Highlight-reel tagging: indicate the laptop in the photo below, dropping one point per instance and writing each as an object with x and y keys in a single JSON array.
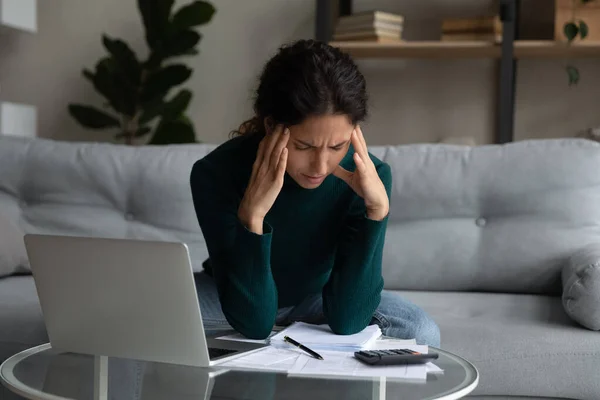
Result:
[{"x": 124, "y": 298}]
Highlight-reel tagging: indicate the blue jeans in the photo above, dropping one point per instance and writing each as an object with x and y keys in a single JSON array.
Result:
[{"x": 397, "y": 317}]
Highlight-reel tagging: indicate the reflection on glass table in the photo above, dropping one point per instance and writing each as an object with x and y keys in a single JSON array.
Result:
[{"x": 45, "y": 374}]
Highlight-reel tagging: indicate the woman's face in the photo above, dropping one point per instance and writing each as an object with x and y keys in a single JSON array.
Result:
[{"x": 316, "y": 147}]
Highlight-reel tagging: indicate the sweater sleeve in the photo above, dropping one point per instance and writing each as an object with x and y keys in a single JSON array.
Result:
[
  {"x": 240, "y": 259},
  {"x": 353, "y": 291}
]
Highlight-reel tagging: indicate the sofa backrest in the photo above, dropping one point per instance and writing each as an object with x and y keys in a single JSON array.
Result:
[
  {"x": 98, "y": 189},
  {"x": 487, "y": 218},
  {"x": 499, "y": 218}
]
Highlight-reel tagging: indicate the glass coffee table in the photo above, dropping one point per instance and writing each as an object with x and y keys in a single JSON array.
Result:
[{"x": 42, "y": 373}]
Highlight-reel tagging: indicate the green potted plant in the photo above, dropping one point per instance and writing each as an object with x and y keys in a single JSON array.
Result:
[{"x": 135, "y": 91}]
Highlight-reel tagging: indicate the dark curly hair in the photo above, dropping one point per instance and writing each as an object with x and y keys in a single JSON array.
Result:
[{"x": 307, "y": 78}]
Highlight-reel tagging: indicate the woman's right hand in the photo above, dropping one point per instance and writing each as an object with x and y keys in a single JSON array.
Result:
[{"x": 266, "y": 180}]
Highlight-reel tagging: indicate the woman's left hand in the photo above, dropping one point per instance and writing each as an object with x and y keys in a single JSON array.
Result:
[{"x": 364, "y": 180}]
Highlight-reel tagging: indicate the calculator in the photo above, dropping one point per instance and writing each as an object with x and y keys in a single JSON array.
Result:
[{"x": 394, "y": 357}]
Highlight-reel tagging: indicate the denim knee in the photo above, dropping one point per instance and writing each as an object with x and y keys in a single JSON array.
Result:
[
  {"x": 400, "y": 318},
  {"x": 427, "y": 331}
]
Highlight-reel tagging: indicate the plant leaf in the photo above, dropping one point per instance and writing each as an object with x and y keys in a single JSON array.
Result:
[
  {"x": 584, "y": 30},
  {"x": 111, "y": 83},
  {"x": 91, "y": 117},
  {"x": 197, "y": 13},
  {"x": 152, "y": 109},
  {"x": 144, "y": 130},
  {"x": 573, "y": 74},
  {"x": 177, "y": 106},
  {"x": 124, "y": 57},
  {"x": 169, "y": 110},
  {"x": 571, "y": 30},
  {"x": 178, "y": 131},
  {"x": 179, "y": 44},
  {"x": 182, "y": 43},
  {"x": 89, "y": 75},
  {"x": 155, "y": 15},
  {"x": 159, "y": 83}
]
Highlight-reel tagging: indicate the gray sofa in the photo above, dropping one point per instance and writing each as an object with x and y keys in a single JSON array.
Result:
[{"x": 478, "y": 237}]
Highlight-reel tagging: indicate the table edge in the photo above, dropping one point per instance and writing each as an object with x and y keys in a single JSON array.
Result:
[{"x": 8, "y": 379}]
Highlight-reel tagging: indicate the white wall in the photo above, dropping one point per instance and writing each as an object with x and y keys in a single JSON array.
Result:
[{"x": 412, "y": 100}]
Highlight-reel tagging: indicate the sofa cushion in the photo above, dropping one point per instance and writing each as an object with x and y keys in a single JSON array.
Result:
[
  {"x": 497, "y": 218},
  {"x": 13, "y": 257},
  {"x": 102, "y": 189},
  {"x": 521, "y": 344},
  {"x": 581, "y": 287}
]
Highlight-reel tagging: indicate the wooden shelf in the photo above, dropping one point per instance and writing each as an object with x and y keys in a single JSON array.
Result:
[{"x": 438, "y": 49}]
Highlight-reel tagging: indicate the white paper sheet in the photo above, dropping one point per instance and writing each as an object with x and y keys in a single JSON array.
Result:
[
  {"x": 433, "y": 369},
  {"x": 269, "y": 358},
  {"x": 284, "y": 359},
  {"x": 321, "y": 337},
  {"x": 238, "y": 337},
  {"x": 345, "y": 364}
]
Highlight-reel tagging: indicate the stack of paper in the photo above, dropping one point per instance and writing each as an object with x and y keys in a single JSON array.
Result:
[
  {"x": 345, "y": 364},
  {"x": 320, "y": 337},
  {"x": 297, "y": 363},
  {"x": 268, "y": 359}
]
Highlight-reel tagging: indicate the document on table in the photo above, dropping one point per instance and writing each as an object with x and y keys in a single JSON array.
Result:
[
  {"x": 321, "y": 337},
  {"x": 345, "y": 364},
  {"x": 268, "y": 359},
  {"x": 238, "y": 337},
  {"x": 337, "y": 363}
]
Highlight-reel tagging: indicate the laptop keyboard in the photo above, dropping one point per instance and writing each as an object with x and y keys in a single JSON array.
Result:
[{"x": 214, "y": 352}]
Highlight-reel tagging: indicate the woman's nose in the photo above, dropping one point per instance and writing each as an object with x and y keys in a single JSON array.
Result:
[{"x": 320, "y": 165}]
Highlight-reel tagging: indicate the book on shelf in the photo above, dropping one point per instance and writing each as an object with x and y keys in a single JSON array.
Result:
[
  {"x": 374, "y": 26},
  {"x": 485, "y": 24},
  {"x": 486, "y": 28},
  {"x": 370, "y": 17},
  {"x": 377, "y": 25},
  {"x": 370, "y": 39},
  {"x": 471, "y": 37},
  {"x": 367, "y": 34}
]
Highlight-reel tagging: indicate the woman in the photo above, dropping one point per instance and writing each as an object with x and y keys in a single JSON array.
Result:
[{"x": 294, "y": 209}]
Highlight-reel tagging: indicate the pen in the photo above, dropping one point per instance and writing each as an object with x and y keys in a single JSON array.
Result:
[{"x": 302, "y": 347}]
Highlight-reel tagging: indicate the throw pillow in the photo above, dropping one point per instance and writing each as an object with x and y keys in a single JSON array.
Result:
[
  {"x": 13, "y": 257},
  {"x": 581, "y": 287}
]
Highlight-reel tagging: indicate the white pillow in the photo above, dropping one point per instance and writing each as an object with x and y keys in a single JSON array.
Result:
[{"x": 13, "y": 257}]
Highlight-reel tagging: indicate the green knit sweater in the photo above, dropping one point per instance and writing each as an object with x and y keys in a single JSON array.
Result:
[{"x": 313, "y": 241}]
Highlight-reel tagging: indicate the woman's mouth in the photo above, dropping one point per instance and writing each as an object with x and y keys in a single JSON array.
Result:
[{"x": 314, "y": 179}]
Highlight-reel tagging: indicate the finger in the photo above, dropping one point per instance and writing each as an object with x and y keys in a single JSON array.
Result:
[
  {"x": 279, "y": 146},
  {"x": 260, "y": 153},
  {"x": 358, "y": 148},
  {"x": 360, "y": 164},
  {"x": 365, "y": 156},
  {"x": 363, "y": 144},
  {"x": 272, "y": 142},
  {"x": 343, "y": 174},
  {"x": 282, "y": 163},
  {"x": 259, "y": 159}
]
